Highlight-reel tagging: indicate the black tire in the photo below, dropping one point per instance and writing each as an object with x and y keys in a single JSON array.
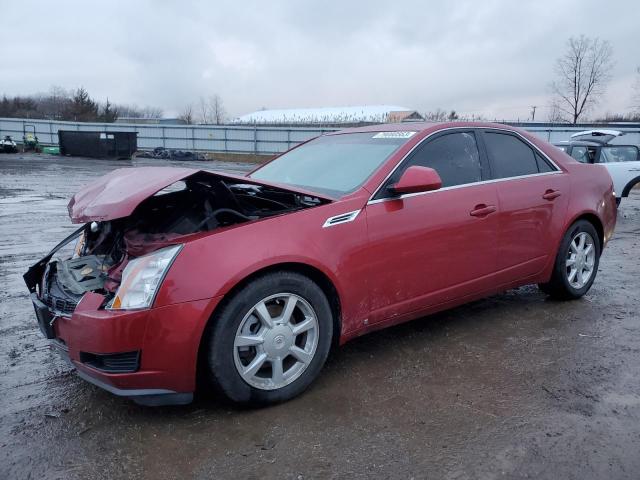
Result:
[
  {"x": 221, "y": 371},
  {"x": 558, "y": 286}
]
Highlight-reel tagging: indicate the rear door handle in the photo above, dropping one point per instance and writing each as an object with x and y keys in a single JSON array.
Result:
[
  {"x": 482, "y": 210},
  {"x": 551, "y": 194}
]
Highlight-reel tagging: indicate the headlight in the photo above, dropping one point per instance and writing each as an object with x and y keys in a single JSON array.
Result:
[{"x": 141, "y": 279}]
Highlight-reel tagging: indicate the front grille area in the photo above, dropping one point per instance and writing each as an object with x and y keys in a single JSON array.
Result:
[
  {"x": 59, "y": 304},
  {"x": 125, "y": 362}
]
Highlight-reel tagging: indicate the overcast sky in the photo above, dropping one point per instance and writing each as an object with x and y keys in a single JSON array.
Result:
[{"x": 491, "y": 57}]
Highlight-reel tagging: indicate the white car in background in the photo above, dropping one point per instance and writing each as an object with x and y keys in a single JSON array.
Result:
[
  {"x": 7, "y": 145},
  {"x": 622, "y": 161}
]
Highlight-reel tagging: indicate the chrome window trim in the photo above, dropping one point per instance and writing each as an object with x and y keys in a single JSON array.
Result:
[
  {"x": 464, "y": 185},
  {"x": 341, "y": 218},
  {"x": 371, "y": 200}
]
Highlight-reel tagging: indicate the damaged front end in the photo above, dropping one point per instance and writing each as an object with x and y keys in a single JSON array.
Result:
[{"x": 134, "y": 229}]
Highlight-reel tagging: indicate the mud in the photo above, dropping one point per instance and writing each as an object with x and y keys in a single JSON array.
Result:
[{"x": 514, "y": 386}]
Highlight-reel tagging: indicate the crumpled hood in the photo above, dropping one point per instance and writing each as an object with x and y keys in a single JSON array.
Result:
[{"x": 117, "y": 194}]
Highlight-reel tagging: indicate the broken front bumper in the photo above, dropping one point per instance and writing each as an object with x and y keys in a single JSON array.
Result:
[
  {"x": 44, "y": 316},
  {"x": 147, "y": 355}
]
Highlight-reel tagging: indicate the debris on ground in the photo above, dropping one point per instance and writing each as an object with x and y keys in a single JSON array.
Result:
[{"x": 170, "y": 154}]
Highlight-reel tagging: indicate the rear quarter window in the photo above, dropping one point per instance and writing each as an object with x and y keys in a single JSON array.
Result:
[{"x": 543, "y": 164}]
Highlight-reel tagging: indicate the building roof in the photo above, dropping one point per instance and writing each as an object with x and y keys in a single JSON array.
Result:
[
  {"x": 151, "y": 121},
  {"x": 349, "y": 115}
]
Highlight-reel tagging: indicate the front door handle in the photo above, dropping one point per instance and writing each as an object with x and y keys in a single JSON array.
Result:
[
  {"x": 482, "y": 210},
  {"x": 551, "y": 194}
]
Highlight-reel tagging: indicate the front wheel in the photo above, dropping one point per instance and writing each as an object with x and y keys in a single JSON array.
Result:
[
  {"x": 576, "y": 263},
  {"x": 270, "y": 340}
]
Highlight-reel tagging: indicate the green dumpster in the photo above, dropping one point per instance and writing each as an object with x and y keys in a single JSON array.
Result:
[{"x": 51, "y": 150}]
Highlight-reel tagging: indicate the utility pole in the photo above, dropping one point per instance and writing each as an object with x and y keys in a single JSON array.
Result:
[{"x": 533, "y": 112}]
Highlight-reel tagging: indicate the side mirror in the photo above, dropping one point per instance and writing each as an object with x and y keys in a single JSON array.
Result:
[{"x": 417, "y": 179}]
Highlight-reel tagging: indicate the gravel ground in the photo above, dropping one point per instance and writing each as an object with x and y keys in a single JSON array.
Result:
[{"x": 514, "y": 386}]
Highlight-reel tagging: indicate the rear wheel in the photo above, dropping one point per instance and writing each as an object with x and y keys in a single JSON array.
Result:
[
  {"x": 576, "y": 263},
  {"x": 270, "y": 340}
]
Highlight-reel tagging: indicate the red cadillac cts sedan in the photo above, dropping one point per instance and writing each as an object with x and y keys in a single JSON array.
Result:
[{"x": 248, "y": 281}]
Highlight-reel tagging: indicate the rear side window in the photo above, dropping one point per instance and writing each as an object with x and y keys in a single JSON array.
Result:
[
  {"x": 454, "y": 156},
  {"x": 510, "y": 156},
  {"x": 618, "y": 154}
]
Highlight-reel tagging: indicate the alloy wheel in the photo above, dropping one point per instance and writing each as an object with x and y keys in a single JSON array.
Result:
[
  {"x": 580, "y": 260},
  {"x": 276, "y": 341}
]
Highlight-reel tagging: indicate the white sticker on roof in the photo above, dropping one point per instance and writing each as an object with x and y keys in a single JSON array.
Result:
[{"x": 394, "y": 135}]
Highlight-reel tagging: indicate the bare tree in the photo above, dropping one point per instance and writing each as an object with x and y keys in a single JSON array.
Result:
[
  {"x": 555, "y": 113},
  {"x": 56, "y": 103},
  {"x": 187, "y": 114},
  {"x": 440, "y": 115},
  {"x": 152, "y": 112},
  {"x": 134, "y": 111},
  {"x": 129, "y": 111},
  {"x": 203, "y": 113},
  {"x": 582, "y": 75},
  {"x": 211, "y": 110},
  {"x": 437, "y": 115},
  {"x": 217, "y": 109},
  {"x": 77, "y": 105}
]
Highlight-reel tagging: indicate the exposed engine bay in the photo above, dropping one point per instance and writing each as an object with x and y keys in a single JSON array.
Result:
[{"x": 199, "y": 203}]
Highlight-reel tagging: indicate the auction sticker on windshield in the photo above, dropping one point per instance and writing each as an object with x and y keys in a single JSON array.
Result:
[{"x": 394, "y": 135}]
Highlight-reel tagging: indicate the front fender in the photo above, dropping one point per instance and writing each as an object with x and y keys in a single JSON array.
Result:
[{"x": 212, "y": 265}]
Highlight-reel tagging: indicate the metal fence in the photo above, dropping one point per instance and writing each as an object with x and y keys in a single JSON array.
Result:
[
  {"x": 210, "y": 138},
  {"x": 246, "y": 139}
]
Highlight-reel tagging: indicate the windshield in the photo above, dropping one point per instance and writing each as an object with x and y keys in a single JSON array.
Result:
[{"x": 333, "y": 164}]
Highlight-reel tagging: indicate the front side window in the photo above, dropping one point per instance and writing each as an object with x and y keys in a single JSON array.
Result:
[
  {"x": 454, "y": 156},
  {"x": 510, "y": 156},
  {"x": 333, "y": 164},
  {"x": 614, "y": 154}
]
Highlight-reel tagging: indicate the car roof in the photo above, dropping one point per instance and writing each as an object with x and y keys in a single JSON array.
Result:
[{"x": 421, "y": 127}]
